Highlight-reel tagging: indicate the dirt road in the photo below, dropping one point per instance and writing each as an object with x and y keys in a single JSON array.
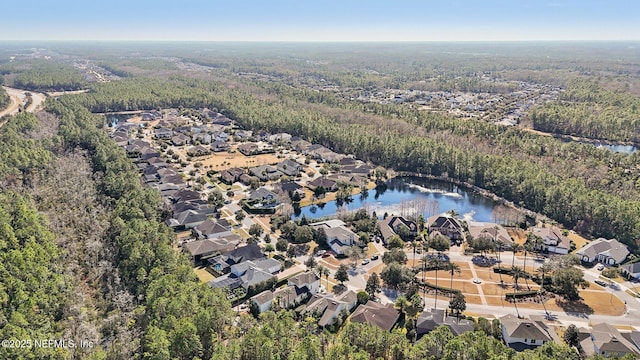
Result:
[{"x": 18, "y": 97}]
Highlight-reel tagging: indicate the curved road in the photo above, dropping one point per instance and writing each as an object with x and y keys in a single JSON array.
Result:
[{"x": 18, "y": 97}]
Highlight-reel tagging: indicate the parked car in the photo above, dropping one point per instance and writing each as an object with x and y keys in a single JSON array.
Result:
[
  {"x": 477, "y": 281},
  {"x": 600, "y": 282},
  {"x": 600, "y": 267},
  {"x": 365, "y": 261},
  {"x": 375, "y": 257}
]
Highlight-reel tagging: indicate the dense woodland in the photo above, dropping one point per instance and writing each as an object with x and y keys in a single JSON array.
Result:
[
  {"x": 109, "y": 273},
  {"x": 4, "y": 98},
  {"x": 46, "y": 75}
]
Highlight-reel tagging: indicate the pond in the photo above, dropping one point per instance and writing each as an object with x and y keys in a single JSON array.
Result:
[
  {"x": 619, "y": 148},
  {"x": 408, "y": 194}
]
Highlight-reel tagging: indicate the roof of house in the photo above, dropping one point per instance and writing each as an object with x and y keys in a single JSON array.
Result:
[
  {"x": 328, "y": 223},
  {"x": 303, "y": 279},
  {"x": 254, "y": 276},
  {"x": 382, "y": 316},
  {"x": 261, "y": 193},
  {"x": 263, "y": 264},
  {"x": 491, "y": 231},
  {"x": 263, "y": 298},
  {"x": 290, "y": 186},
  {"x": 525, "y": 328},
  {"x": 608, "y": 339},
  {"x": 442, "y": 221},
  {"x": 611, "y": 248},
  {"x": 341, "y": 233},
  {"x": 208, "y": 246},
  {"x": 211, "y": 226},
  {"x": 632, "y": 268},
  {"x": 429, "y": 320},
  {"x": 324, "y": 182},
  {"x": 552, "y": 235}
]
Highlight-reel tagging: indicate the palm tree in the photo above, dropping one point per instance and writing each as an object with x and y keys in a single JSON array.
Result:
[
  {"x": 435, "y": 262},
  {"x": 514, "y": 248},
  {"x": 452, "y": 268},
  {"x": 544, "y": 268},
  {"x": 424, "y": 262},
  {"x": 516, "y": 273},
  {"x": 401, "y": 304},
  {"x": 324, "y": 271},
  {"x": 527, "y": 247},
  {"x": 499, "y": 245}
]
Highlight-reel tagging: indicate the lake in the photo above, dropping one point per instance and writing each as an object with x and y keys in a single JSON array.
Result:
[
  {"x": 619, "y": 148},
  {"x": 399, "y": 194}
]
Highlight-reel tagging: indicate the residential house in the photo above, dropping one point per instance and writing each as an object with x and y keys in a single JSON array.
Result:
[
  {"x": 280, "y": 138},
  {"x": 163, "y": 133},
  {"x": 186, "y": 195},
  {"x": 219, "y": 146},
  {"x": 261, "y": 200},
  {"x": 224, "y": 262},
  {"x": 187, "y": 219},
  {"x": 490, "y": 231},
  {"x": 446, "y": 225},
  {"x": 265, "y": 172},
  {"x": 199, "y": 250},
  {"x": 374, "y": 314},
  {"x": 392, "y": 225},
  {"x": 202, "y": 138},
  {"x": 607, "y": 341},
  {"x": 430, "y": 320},
  {"x": 290, "y": 188},
  {"x": 522, "y": 334},
  {"x": 263, "y": 301},
  {"x": 327, "y": 184},
  {"x": 552, "y": 240},
  {"x": 631, "y": 270},
  {"x": 231, "y": 175},
  {"x": 610, "y": 252},
  {"x": 198, "y": 151},
  {"x": 248, "y": 149},
  {"x": 339, "y": 237},
  {"x": 300, "y": 145},
  {"x": 213, "y": 228},
  {"x": 289, "y": 167},
  {"x": 306, "y": 281},
  {"x": 329, "y": 306},
  {"x": 247, "y": 179}
]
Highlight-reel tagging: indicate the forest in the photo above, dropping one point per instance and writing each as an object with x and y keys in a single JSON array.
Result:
[{"x": 109, "y": 273}]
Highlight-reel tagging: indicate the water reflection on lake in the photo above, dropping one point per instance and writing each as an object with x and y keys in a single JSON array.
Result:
[{"x": 400, "y": 191}]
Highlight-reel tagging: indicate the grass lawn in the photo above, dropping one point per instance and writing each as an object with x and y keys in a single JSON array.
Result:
[
  {"x": 518, "y": 235},
  {"x": 578, "y": 240},
  {"x": 203, "y": 274}
]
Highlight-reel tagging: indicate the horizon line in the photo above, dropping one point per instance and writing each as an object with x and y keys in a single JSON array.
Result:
[{"x": 323, "y": 41}]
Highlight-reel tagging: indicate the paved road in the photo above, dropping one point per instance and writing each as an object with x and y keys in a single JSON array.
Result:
[{"x": 17, "y": 97}]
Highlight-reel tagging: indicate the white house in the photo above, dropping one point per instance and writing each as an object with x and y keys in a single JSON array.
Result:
[
  {"x": 605, "y": 251},
  {"x": 552, "y": 240},
  {"x": 330, "y": 306},
  {"x": 307, "y": 280},
  {"x": 631, "y": 270},
  {"x": 263, "y": 301},
  {"x": 523, "y": 334},
  {"x": 606, "y": 340},
  {"x": 339, "y": 237}
]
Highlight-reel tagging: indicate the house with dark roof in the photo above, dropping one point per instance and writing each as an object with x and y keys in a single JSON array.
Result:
[
  {"x": 248, "y": 149},
  {"x": 219, "y": 146},
  {"x": 289, "y": 167},
  {"x": 631, "y": 270},
  {"x": 522, "y": 334},
  {"x": 232, "y": 175},
  {"x": 447, "y": 226},
  {"x": 374, "y": 314},
  {"x": 328, "y": 184},
  {"x": 290, "y": 187},
  {"x": 261, "y": 201},
  {"x": 552, "y": 240},
  {"x": 224, "y": 262},
  {"x": 199, "y": 250},
  {"x": 187, "y": 219},
  {"x": 604, "y": 339},
  {"x": 212, "y": 228},
  {"x": 198, "y": 150},
  {"x": 307, "y": 281},
  {"x": 329, "y": 306},
  {"x": 392, "y": 226},
  {"x": 186, "y": 195},
  {"x": 163, "y": 133},
  {"x": 609, "y": 252},
  {"x": 430, "y": 320},
  {"x": 265, "y": 172},
  {"x": 180, "y": 139}
]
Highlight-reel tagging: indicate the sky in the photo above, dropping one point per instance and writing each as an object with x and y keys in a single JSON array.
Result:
[{"x": 322, "y": 20}]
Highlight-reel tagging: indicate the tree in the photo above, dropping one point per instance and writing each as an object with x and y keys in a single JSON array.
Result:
[
  {"x": 216, "y": 199},
  {"x": 439, "y": 243},
  {"x": 514, "y": 249},
  {"x": 240, "y": 215},
  {"x": 570, "y": 336},
  {"x": 355, "y": 254},
  {"x": 567, "y": 281},
  {"x": 452, "y": 268},
  {"x": 256, "y": 230},
  {"x": 320, "y": 236},
  {"x": 394, "y": 255},
  {"x": 373, "y": 285},
  {"x": 362, "y": 297},
  {"x": 458, "y": 304},
  {"x": 291, "y": 252},
  {"x": 342, "y": 274},
  {"x": 435, "y": 263},
  {"x": 516, "y": 273},
  {"x": 396, "y": 276},
  {"x": 395, "y": 242},
  {"x": 282, "y": 245},
  {"x": 401, "y": 304},
  {"x": 311, "y": 262},
  {"x": 323, "y": 271},
  {"x": 302, "y": 234},
  {"x": 403, "y": 232}
]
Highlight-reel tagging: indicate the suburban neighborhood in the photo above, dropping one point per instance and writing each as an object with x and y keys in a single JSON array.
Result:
[{"x": 235, "y": 199}]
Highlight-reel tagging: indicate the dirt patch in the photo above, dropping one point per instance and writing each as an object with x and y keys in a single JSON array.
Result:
[
  {"x": 578, "y": 240},
  {"x": 518, "y": 235}
]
